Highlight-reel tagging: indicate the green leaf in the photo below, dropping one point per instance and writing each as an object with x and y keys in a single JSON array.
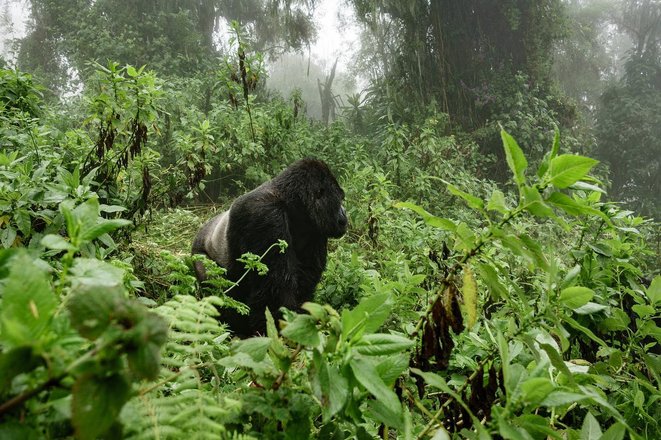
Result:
[
  {"x": 8, "y": 236},
  {"x": 147, "y": 337},
  {"x": 96, "y": 404},
  {"x": 535, "y": 389},
  {"x": 91, "y": 308},
  {"x": 510, "y": 432},
  {"x": 571, "y": 206},
  {"x": 14, "y": 362},
  {"x": 330, "y": 387},
  {"x": 515, "y": 157},
  {"x": 317, "y": 311},
  {"x": 557, "y": 361},
  {"x": 23, "y": 221},
  {"x": 534, "y": 203},
  {"x": 472, "y": 201},
  {"x": 366, "y": 374},
  {"x": 615, "y": 432},
  {"x": 469, "y": 294},
  {"x": 490, "y": 277},
  {"x": 654, "y": 290},
  {"x": 93, "y": 272},
  {"x": 255, "y": 347},
  {"x": 431, "y": 220},
  {"x": 379, "y": 344},
  {"x": 586, "y": 331},
  {"x": 567, "y": 169},
  {"x": 497, "y": 202},
  {"x": 590, "y": 429},
  {"x": 575, "y": 297},
  {"x": 560, "y": 398},
  {"x": 366, "y": 317},
  {"x": 103, "y": 226},
  {"x": 130, "y": 70},
  {"x": 28, "y": 303},
  {"x": 303, "y": 330},
  {"x": 57, "y": 242},
  {"x": 556, "y": 143}
]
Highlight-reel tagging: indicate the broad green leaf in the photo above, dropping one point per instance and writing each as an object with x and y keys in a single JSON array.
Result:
[
  {"x": 557, "y": 361},
  {"x": 103, "y": 226},
  {"x": 96, "y": 404},
  {"x": 497, "y": 202},
  {"x": 255, "y": 347},
  {"x": 490, "y": 277},
  {"x": 57, "y": 242},
  {"x": 330, "y": 387},
  {"x": 514, "y": 156},
  {"x": 654, "y": 290},
  {"x": 8, "y": 236},
  {"x": 615, "y": 432},
  {"x": 317, "y": 311},
  {"x": 366, "y": 317},
  {"x": 465, "y": 237},
  {"x": 472, "y": 201},
  {"x": 590, "y": 429},
  {"x": 91, "y": 308},
  {"x": 644, "y": 310},
  {"x": 575, "y": 297},
  {"x": 23, "y": 221},
  {"x": 279, "y": 353},
  {"x": 534, "y": 423},
  {"x": 586, "y": 331},
  {"x": 534, "y": 203},
  {"x": 147, "y": 338},
  {"x": 560, "y": 398},
  {"x": 511, "y": 432},
  {"x": 391, "y": 367},
  {"x": 130, "y": 70},
  {"x": 14, "y": 362},
  {"x": 303, "y": 330},
  {"x": 380, "y": 412},
  {"x": 28, "y": 303},
  {"x": 516, "y": 377},
  {"x": 574, "y": 207},
  {"x": 567, "y": 169},
  {"x": 367, "y": 375},
  {"x": 379, "y": 344},
  {"x": 93, "y": 272},
  {"x": 431, "y": 220},
  {"x": 535, "y": 389},
  {"x": 469, "y": 294}
]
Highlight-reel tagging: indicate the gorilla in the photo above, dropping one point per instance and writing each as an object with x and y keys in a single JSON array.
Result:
[{"x": 302, "y": 206}]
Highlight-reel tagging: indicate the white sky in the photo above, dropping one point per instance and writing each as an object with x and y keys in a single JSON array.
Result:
[{"x": 337, "y": 33}]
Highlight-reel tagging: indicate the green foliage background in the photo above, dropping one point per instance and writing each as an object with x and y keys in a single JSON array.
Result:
[{"x": 487, "y": 287}]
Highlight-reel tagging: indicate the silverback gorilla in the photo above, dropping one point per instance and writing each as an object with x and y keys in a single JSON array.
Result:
[{"x": 303, "y": 206}]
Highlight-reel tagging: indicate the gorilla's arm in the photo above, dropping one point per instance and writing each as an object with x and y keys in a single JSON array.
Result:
[{"x": 257, "y": 221}]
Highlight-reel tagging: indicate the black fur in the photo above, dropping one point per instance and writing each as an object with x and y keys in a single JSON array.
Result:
[{"x": 303, "y": 206}]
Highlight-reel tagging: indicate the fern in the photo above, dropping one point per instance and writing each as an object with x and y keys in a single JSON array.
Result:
[{"x": 185, "y": 401}]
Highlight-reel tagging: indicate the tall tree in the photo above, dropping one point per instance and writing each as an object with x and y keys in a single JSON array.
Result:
[
  {"x": 450, "y": 52},
  {"x": 171, "y": 36},
  {"x": 629, "y": 118}
]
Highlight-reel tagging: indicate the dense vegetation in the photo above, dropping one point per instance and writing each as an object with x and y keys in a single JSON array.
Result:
[{"x": 487, "y": 288}]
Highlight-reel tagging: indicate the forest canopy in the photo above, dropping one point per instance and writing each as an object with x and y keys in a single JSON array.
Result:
[{"x": 500, "y": 163}]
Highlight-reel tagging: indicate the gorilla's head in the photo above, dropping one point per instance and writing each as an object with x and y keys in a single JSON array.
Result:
[{"x": 313, "y": 185}]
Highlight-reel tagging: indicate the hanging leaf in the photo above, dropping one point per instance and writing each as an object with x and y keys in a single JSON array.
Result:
[
  {"x": 469, "y": 292},
  {"x": 514, "y": 156}
]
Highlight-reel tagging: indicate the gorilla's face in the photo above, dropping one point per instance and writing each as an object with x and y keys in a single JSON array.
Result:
[{"x": 325, "y": 204}]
